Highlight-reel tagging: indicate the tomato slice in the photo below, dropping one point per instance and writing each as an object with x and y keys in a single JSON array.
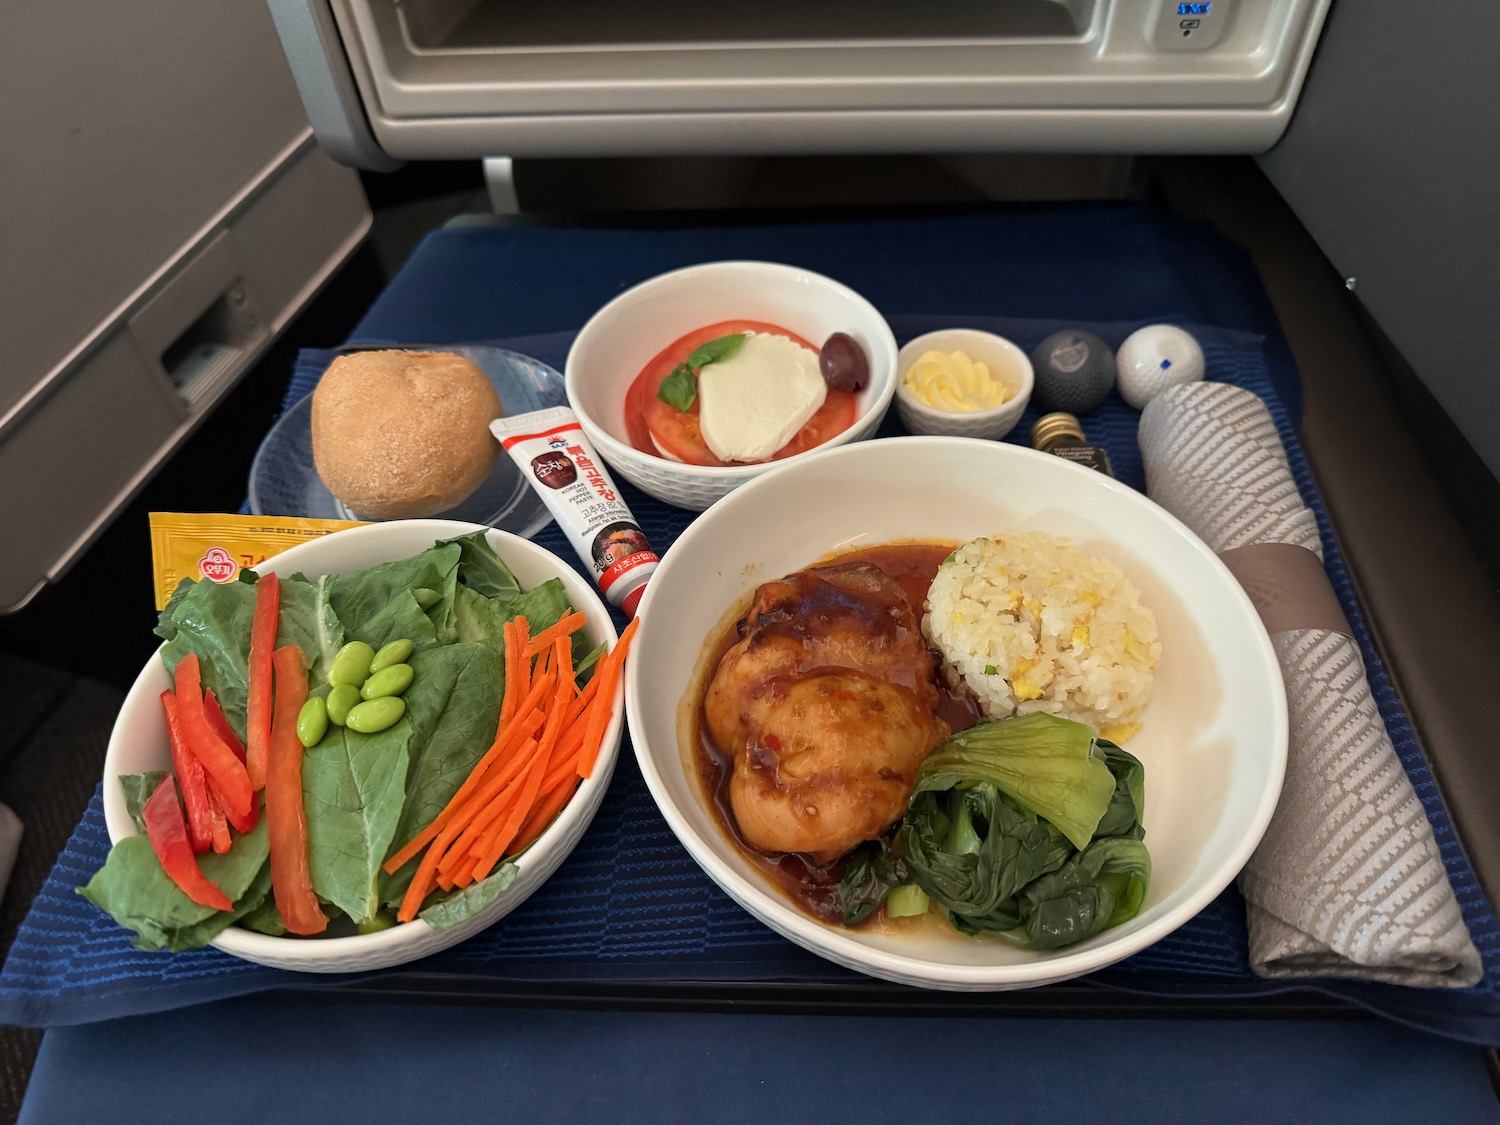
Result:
[
  {"x": 835, "y": 416},
  {"x": 661, "y": 429}
]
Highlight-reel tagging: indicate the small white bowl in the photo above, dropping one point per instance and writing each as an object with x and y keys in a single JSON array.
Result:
[
  {"x": 139, "y": 742},
  {"x": 1215, "y": 736},
  {"x": 1007, "y": 363},
  {"x": 624, "y": 335}
]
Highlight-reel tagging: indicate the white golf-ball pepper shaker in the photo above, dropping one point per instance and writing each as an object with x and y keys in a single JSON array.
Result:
[{"x": 1154, "y": 358}]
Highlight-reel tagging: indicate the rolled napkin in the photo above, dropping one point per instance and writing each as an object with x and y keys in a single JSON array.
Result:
[{"x": 1347, "y": 881}]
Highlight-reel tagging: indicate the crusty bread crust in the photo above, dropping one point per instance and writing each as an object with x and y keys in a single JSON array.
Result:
[{"x": 399, "y": 434}]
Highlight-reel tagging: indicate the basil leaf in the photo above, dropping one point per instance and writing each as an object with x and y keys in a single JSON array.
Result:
[
  {"x": 715, "y": 350},
  {"x": 679, "y": 389}
]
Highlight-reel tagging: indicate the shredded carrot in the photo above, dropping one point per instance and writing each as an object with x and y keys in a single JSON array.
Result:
[
  {"x": 562, "y": 660},
  {"x": 550, "y": 735},
  {"x": 495, "y": 846},
  {"x": 564, "y": 763},
  {"x": 566, "y": 627},
  {"x": 506, "y": 739},
  {"x": 603, "y": 706},
  {"x": 523, "y": 665},
  {"x": 580, "y": 701},
  {"x": 510, "y": 697},
  {"x": 498, "y": 799},
  {"x": 465, "y": 874},
  {"x": 494, "y": 792},
  {"x": 547, "y": 807}
]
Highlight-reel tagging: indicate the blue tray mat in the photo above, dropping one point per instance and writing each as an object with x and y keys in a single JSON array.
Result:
[{"x": 630, "y": 905}]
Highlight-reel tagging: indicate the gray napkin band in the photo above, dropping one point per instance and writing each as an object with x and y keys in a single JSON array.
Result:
[{"x": 1288, "y": 587}]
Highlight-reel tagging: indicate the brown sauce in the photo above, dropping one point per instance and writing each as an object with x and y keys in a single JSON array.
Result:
[{"x": 815, "y": 887}]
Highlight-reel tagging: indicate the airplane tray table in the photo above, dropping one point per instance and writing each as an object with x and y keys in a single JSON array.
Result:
[{"x": 630, "y": 920}]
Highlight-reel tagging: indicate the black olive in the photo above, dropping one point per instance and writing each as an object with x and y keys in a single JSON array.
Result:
[{"x": 843, "y": 363}]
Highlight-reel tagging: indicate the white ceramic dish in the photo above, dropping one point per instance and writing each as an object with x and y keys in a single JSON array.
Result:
[
  {"x": 1214, "y": 740},
  {"x": 139, "y": 742},
  {"x": 624, "y": 335},
  {"x": 1006, "y": 362}
]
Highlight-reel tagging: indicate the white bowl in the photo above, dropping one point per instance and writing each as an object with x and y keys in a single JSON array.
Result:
[
  {"x": 1215, "y": 735},
  {"x": 1006, "y": 362},
  {"x": 139, "y": 742},
  {"x": 623, "y": 336}
]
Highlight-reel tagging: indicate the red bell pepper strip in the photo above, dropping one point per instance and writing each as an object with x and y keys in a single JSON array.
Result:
[
  {"x": 220, "y": 724},
  {"x": 286, "y": 819},
  {"x": 224, "y": 770},
  {"x": 219, "y": 823},
  {"x": 190, "y": 774},
  {"x": 217, "y": 720},
  {"x": 258, "y": 704},
  {"x": 167, "y": 832}
]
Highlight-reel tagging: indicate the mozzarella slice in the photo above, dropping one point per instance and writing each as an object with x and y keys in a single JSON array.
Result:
[{"x": 754, "y": 402}]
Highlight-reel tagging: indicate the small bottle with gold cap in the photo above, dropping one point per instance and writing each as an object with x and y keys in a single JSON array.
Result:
[{"x": 1062, "y": 435}]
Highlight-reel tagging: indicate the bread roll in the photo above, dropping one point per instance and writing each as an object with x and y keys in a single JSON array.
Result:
[{"x": 400, "y": 434}]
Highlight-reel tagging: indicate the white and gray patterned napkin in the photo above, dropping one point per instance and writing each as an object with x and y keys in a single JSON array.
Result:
[{"x": 1347, "y": 881}]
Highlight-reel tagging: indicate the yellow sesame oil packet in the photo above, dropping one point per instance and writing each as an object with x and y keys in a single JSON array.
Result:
[{"x": 218, "y": 547}]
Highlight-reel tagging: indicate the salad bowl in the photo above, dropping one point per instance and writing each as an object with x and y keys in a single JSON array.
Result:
[
  {"x": 627, "y": 332},
  {"x": 139, "y": 743},
  {"x": 1214, "y": 737}
]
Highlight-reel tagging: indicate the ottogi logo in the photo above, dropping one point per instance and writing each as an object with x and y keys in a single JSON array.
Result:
[{"x": 217, "y": 566}]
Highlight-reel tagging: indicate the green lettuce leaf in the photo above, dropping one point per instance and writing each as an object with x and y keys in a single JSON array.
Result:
[
  {"x": 265, "y": 918},
  {"x": 353, "y": 786},
  {"x": 133, "y": 889},
  {"x": 464, "y": 904},
  {"x": 1043, "y": 763},
  {"x": 453, "y": 707},
  {"x": 480, "y": 569},
  {"x": 401, "y": 617},
  {"x": 481, "y": 620},
  {"x": 374, "y": 604},
  {"x": 309, "y": 622},
  {"x": 214, "y": 621},
  {"x": 138, "y": 788}
]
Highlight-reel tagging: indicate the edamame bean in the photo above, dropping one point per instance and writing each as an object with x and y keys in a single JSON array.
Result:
[
  {"x": 388, "y": 681},
  {"x": 352, "y": 664},
  {"x": 426, "y": 598},
  {"x": 383, "y": 920},
  {"x": 341, "y": 700},
  {"x": 374, "y": 715},
  {"x": 312, "y": 721},
  {"x": 394, "y": 653}
]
